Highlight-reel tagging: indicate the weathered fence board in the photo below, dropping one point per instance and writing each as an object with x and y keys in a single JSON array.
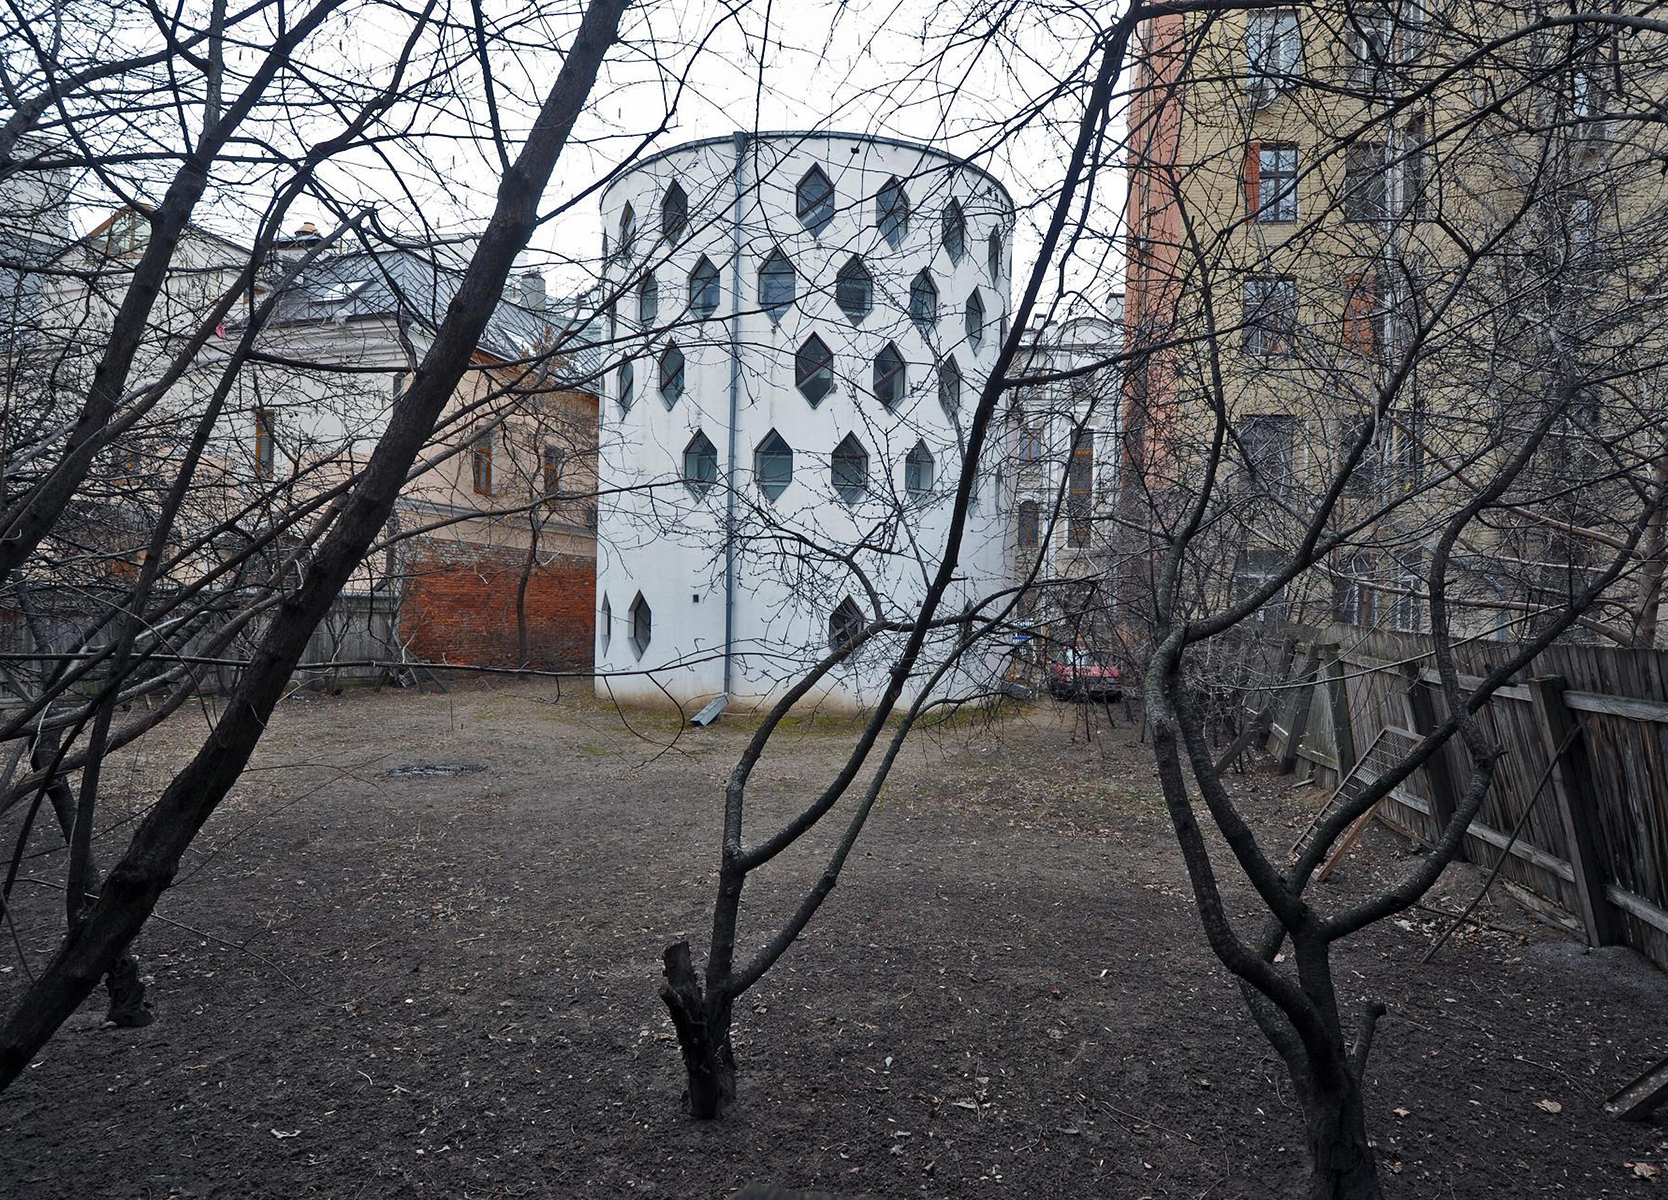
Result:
[{"x": 1596, "y": 844}]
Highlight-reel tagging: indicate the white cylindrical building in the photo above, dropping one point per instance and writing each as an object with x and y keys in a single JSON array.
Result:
[{"x": 802, "y": 324}]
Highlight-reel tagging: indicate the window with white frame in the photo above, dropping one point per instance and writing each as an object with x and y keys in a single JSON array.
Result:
[
  {"x": 1270, "y": 324},
  {"x": 1273, "y": 50},
  {"x": 1276, "y": 183},
  {"x": 1257, "y": 568}
]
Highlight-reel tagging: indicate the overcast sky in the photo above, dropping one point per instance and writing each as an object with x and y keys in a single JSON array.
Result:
[
  {"x": 916, "y": 69},
  {"x": 907, "y": 68}
]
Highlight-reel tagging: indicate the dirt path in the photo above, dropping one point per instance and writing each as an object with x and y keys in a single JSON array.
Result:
[{"x": 1007, "y": 995}]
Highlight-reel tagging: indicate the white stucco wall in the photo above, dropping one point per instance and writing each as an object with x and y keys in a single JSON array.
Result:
[{"x": 659, "y": 540}]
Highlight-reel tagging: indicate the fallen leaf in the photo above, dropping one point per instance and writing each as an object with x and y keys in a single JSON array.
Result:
[
  {"x": 1645, "y": 1170},
  {"x": 1402, "y": 1112},
  {"x": 1551, "y": 1106},
  {"x": 289, "y": 1133}
]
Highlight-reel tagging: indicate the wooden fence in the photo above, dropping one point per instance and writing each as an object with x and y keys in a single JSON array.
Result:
[
  {"x": 1595, "y": 842},
  {"x": 357, "y": 628}
]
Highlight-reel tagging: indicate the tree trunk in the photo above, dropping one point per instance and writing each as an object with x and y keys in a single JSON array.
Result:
[
  {"x": 128, "y": 1007},
  {"x": 1342, "y": 1164},
  {"x": 527, "y": 566},
  {"x": 703, "y": 1030}
]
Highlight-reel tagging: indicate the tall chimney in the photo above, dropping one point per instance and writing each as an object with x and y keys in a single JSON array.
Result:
[{"x": 532, "y": 290}]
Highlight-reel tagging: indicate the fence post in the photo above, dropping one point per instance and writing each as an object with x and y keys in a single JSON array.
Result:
[
  {"x": 1299, "y": 723},
  {"x": 1276, "y": 696},
  {"x": 1421, "y": 719},
  {"x": 1577, "y": 809},
  {"x": 1337, "y": 695}
]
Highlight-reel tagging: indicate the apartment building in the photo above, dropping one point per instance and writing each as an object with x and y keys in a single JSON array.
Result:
[
  {"x": 490, "y": 553},
  {"x": 1063, "y": 453},
  {"x": 1433, "y": 234}
]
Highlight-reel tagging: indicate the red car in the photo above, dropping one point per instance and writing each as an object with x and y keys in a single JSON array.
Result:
[{"x": 1085, "y": 675}]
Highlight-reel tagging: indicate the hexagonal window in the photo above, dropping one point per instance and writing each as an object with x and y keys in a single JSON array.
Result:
[
  {"x": 700, "y": 464},
  {"x": 777, "y": 285},
  {"x": 626, "y": 382},
  {"x": 918, "y": 471},
  {"x": 648, "y": 300},
  {"x": 703, "y": 288},
  {"x": 953, "y": 231},
  {"x": 993, "y": 256},
  {"x": 854, "y": 290},
  {"x": 605, "y": 625},
  {"x": 773, "y": 465},
  {"x": 642, "y": 625},
  {"x": 671, "y": 375},
  {"x": 845, "y": 624},
  {"x": 975, "y": 320},
  {"x": 923, "y": 301},
  {"x": 889, "y": 376},
  {"x": 892, "y": 212},
  {"x": 949, "y": 387},
  {"x": 814, "y": 201},
  {"x": 849, "y": 467},
  {"x": 813, "y": 370},
  {"x": 674, "y": 212},
  {"x": 628, "y": 232}
]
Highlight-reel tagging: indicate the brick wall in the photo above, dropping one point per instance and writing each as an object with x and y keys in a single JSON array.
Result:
[{"x": 460, "y": 605}]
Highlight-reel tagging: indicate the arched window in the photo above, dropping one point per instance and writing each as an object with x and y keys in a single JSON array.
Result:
[
  {"x": 854, "y": 290},
  {"x": 642, "y": 625},
  {"x": 626, "y": 379},
  {"x": 703, "y": 288},
  {"x": 889, "y": 376},
  {"x": 773, "y": 465},
  {"x": 993, "y": 256},
  {"x": 605, "y": 625},
  {"x": 949, "y": 387},
  {"x": 1029, "y": 522},
  {"x": 480, "y": 464},
  {"x": 849, "y": 467},
  {"x": 776, "y": 285},
  {"x": 892, "y": 212},
  {"x": 648, "y": 300},
  {"x": 674, "y": 212},
  {"x": 918, "y": 471},
  {"x": 954, "y": 231},
  {"x": 813, "y": 370},
  {"x": 700, "y": 464},
  {"x": 671, "y": 375},
  {"x": 845, "y": 624},
  {"x": 923, "y": 301},
  {"x": 814, "y": 201},
  {"x": 628, "y": 232},
  {"x": 975, "y": 318}
]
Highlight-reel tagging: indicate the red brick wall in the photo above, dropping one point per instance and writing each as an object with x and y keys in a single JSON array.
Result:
[{"x": 460, "y": 606}]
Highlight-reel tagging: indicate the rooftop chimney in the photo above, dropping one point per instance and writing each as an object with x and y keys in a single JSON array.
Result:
[
  {"x": 306, "y": 231},
  {"x": 532, "y": 290}
]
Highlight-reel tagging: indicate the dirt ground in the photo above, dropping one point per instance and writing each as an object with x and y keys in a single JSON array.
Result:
[{"x": 414, "y": 984}]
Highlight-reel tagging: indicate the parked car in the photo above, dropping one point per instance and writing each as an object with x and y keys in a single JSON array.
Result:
[{"x": 1085, "y": 675}]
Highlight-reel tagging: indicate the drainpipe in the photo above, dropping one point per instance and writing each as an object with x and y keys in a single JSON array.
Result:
[
  {"x": 740, "y": 140},
  {"x": 710, "y": 713}
]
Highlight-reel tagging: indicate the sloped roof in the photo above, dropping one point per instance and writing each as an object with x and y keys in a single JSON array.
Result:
[{"x": 358, "y": 284}]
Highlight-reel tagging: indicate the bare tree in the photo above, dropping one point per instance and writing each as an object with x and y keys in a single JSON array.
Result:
[
  {"x": 1393, "y": 354},
  {"x": 298, "y": 535}
]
